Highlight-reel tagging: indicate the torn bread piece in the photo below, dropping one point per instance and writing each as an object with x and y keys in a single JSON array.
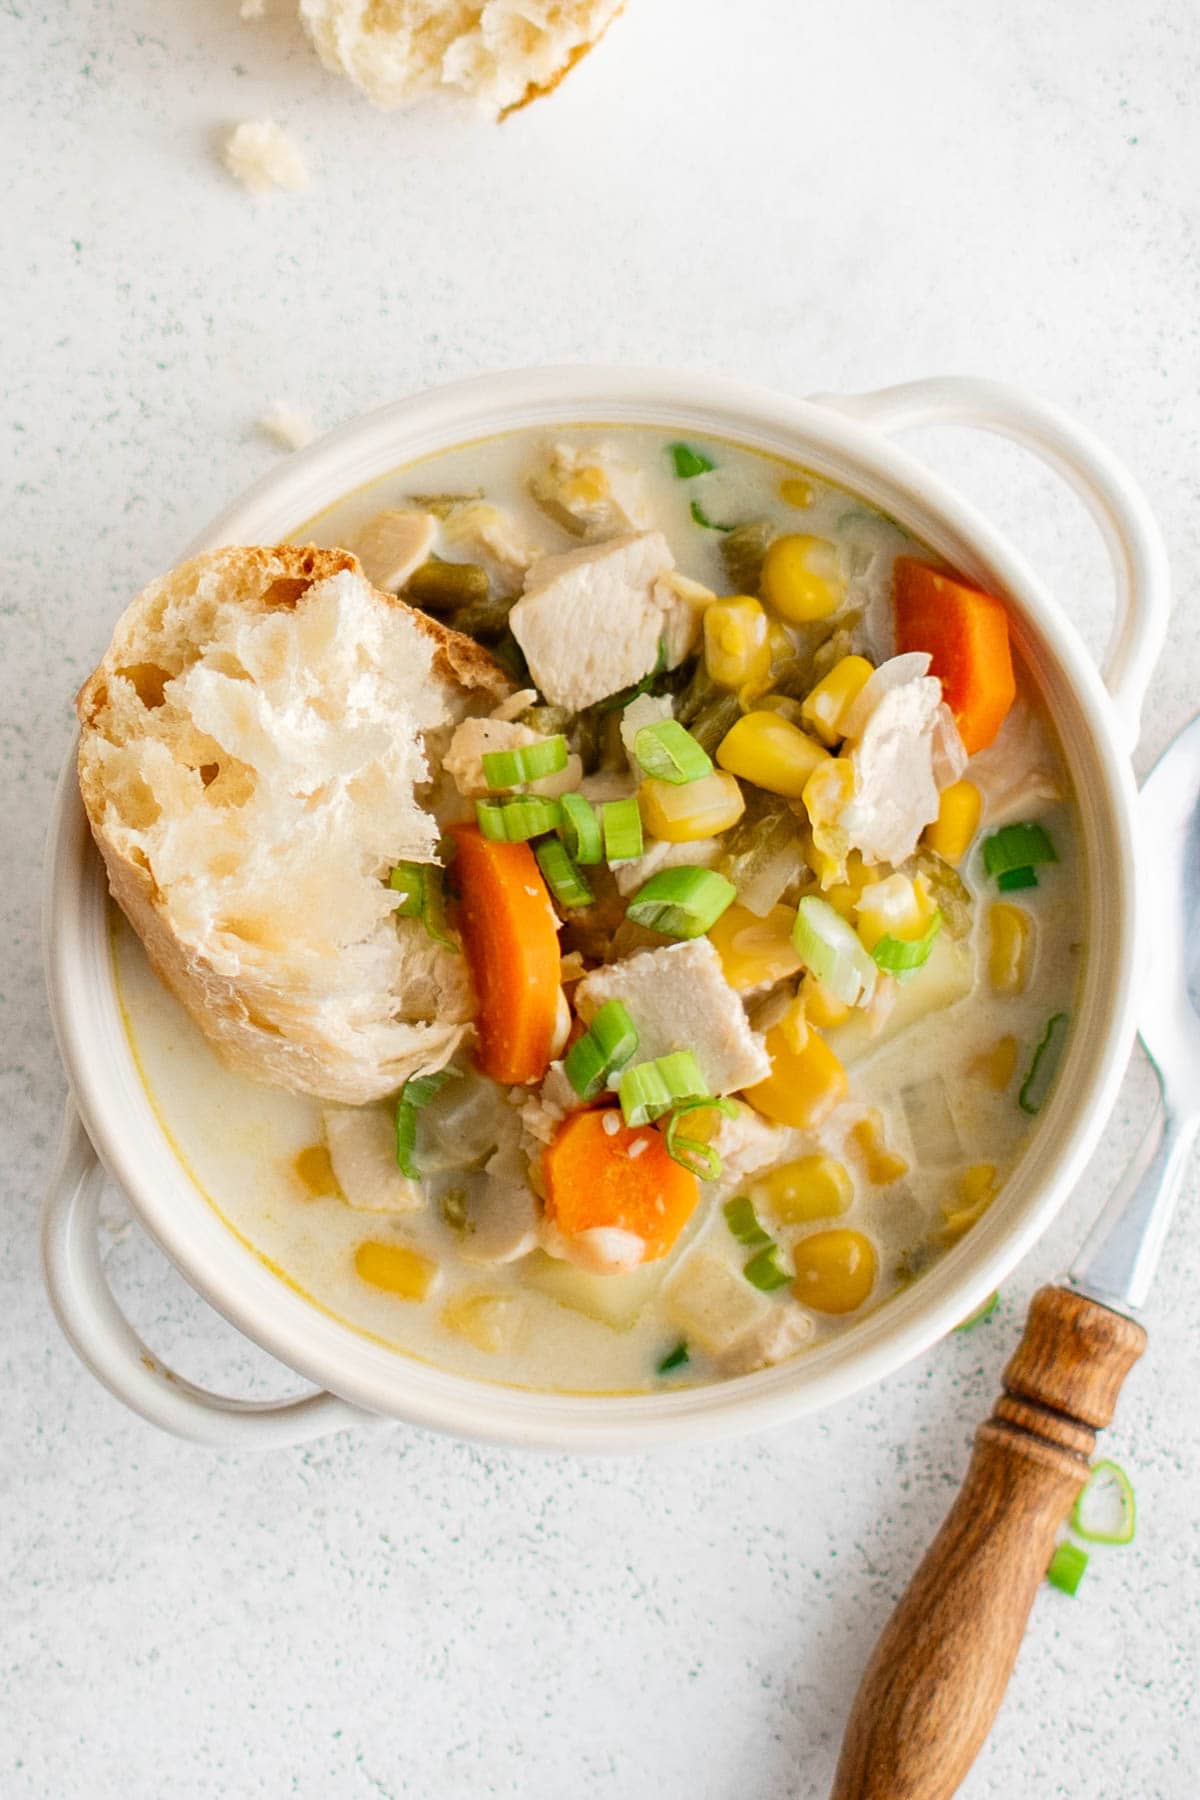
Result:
[
  {"x": 261, "y": 155},
  {"x": 501, "y": 54},
  {"x": 251, "y": 751}
]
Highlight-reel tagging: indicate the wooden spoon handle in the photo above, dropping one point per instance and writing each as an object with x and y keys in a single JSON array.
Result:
[{"x": 938, "y": 1673}]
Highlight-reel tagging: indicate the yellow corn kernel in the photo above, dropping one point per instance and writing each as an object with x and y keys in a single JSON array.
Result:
[
  {"x": 314, "y": 1171},
  {"x": 835, "y": 1270},
  {"x": 883, "y": 1166},
  {"x": 1010, "y": 947},
  {"x": 765, "y": 749},
  {"x": 957, "y": 821},
  {"x": 781, "y": 704},
  {"x": 977, "y": 1188},
  {"x": 804, "y": 1086},
  {"x": 812, "y": 1187},
  {"x": 827, "y": 792},
  {"x": 796, "y": 491},
  {"x": 845, "y": 895},
  {"x": 694, "y": 809},
  {"x": 794, "y": 1024},
  {"x": 897, "y": 908},
  {"x": 755, "y": 952},
  {"x": 736, "y": 645},
  {"x": 997, "y": 1065},
  {"x": 827, "y": 704},
  {"x": 801, "y": 578},
  {"x": 395, "y": 1269},
  {"x": 820, "y": 1006},
  {"x": 492, "y": 1322}
]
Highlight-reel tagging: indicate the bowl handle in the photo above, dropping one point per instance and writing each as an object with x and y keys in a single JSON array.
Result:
[
  {"x": 102, "y": 1337},
  {"x": 1116, "y": 502}
]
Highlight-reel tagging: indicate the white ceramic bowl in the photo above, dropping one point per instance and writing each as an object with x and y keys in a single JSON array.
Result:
[{"x": 110, "y": 1124}]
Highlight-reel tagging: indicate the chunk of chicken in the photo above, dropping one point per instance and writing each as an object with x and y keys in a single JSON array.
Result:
[
  {"x": 783, "y": 1331},
  {"x": 701, "y": 853},
  {"x": 591, "y": 622},
  {"x": 494, "y": 539},
  {"x": 679, "y": 999},
  {"x": 1015, "y": 774},
  {"x": 475, "y": 738},
  {"x": 362, "y": 1153},
  {"x": 591, "y": 493},
  {"x": 393, "y": 545},
  {"x": 895, "y": 793},
  {"x": 747, "y": 1143}
]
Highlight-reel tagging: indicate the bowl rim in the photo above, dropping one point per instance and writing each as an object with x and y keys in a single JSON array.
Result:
[{"x": 124, "y": 1128}]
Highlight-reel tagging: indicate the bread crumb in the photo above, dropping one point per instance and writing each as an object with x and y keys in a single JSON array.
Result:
[
  {"x": 252, "y": 9},
  {"x": 261, "y": 156},
  {"x": 288, "y": 427}
]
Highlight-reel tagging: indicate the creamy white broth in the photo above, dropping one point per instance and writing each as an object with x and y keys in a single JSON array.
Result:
[{"x": 240, "y": 1140}]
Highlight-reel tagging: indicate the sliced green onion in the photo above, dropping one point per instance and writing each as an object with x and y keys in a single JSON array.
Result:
[
  {"x": 833, "y": 951},
  {"x": 1017, "y": 847},
  {"x": 701, "y": 518},
  {"x": 562, "y": 877},
  {"x": 689, "y": 462},
  {"x": 580, "y": 830},
  {"x": 1044, "y": 1066},
  {"x": 669, "y": 752},
  {"x": 1106, "y": 1478},
  {"x": 528, "y": 762},
  {"x": 981, "y": 1313},
  {"x": 605, "y": 1047},
  {"x": 417, "y": 1092},
  {"x": 692, "y": 1153},
  {"x": 622, "y": 826},
  {"x": 1066, "y": 1567},
  {"x": 763, "y": 1271},
  {"x": 517, "y": 820},
  {"x": 674, "y": 1359},
  {"x": 742, "y": 1220},
  {"x": 423, "y": 896},
  {"x": 650, "y": 1089},
  {"x": 900, "y": 956},
  {"x": 682, "y": 903},
  {"x": 1013, "y": 880}
]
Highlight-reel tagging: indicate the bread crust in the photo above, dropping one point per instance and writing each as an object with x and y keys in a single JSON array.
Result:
[{"x": 244, "y": 1015}]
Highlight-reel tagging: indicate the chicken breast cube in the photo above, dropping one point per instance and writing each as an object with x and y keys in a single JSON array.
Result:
[
  {"x": 679, "y": 999},
  {"x": 393, "y": 545},
  {"x": 590, "y": 493},
  {"x": 779, "y": 1335},
  {"x": 895, "y": 794},
  {"x": 590, "y": 622},
  {"x": 362, "y": 1154},
  {"x": 476, "y": 738}
]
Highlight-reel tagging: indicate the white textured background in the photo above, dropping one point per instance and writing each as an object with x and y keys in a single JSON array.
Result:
[{"x": 806, "y": 196}]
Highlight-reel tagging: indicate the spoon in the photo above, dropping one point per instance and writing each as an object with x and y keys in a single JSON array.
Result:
[{"x": 939, "y": 1670}]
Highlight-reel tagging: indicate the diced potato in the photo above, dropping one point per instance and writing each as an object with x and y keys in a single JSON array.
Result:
[
  {"x": 763, "y": 747},
  {"x": 811, "y": 1187},
  {"x": 804, "y": 1085},
  {"x": 755, "y": 952},
  {"x": 395, "y": 1269},
  {"x": 944, "y": 979},
  {"x": 492, "y": 1322},
  {"x": 1010, "y": 947},
  {"x": 801, "y": 578},
  {"x": 711, "y": 1302},
  {"x": 825, "y": 707},
  {"x": 694, "y": 809},
  {"x": 612, "y": 1300},
  {"x": 835, "y": 1270},
  {"x": 736, "y": 647},
  {"x": 883, "y": 1165},
  {"x": 959, "y": 808}
]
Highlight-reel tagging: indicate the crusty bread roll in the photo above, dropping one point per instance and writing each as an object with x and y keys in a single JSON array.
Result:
[
  {"x": 252, "y": 745},
  {"x": 501, "y": 53}
]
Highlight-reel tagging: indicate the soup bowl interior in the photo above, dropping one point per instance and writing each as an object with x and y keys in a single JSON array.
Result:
[{"x": 122, "y": 1123}]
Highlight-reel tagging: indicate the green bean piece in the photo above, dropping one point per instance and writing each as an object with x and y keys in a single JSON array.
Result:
[
  {"x": 444, "y": 587},
  {"x": 742, "y": 553},
  {"x": 950, "y": 893},
  {"x": 442, "y": 505}
]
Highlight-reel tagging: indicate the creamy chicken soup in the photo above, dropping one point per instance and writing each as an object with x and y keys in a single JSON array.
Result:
[{"x": 766, "y": 880}]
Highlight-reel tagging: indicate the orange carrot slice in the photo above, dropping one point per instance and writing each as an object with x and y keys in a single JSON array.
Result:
[
  {"x": 602, "y": 1173},
  {"x": 510, "y": 934},
  {"x": 965, "y": 632}
]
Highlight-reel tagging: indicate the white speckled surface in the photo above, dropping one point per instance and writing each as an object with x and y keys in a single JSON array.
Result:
[{"x": 815, "y": 197}]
